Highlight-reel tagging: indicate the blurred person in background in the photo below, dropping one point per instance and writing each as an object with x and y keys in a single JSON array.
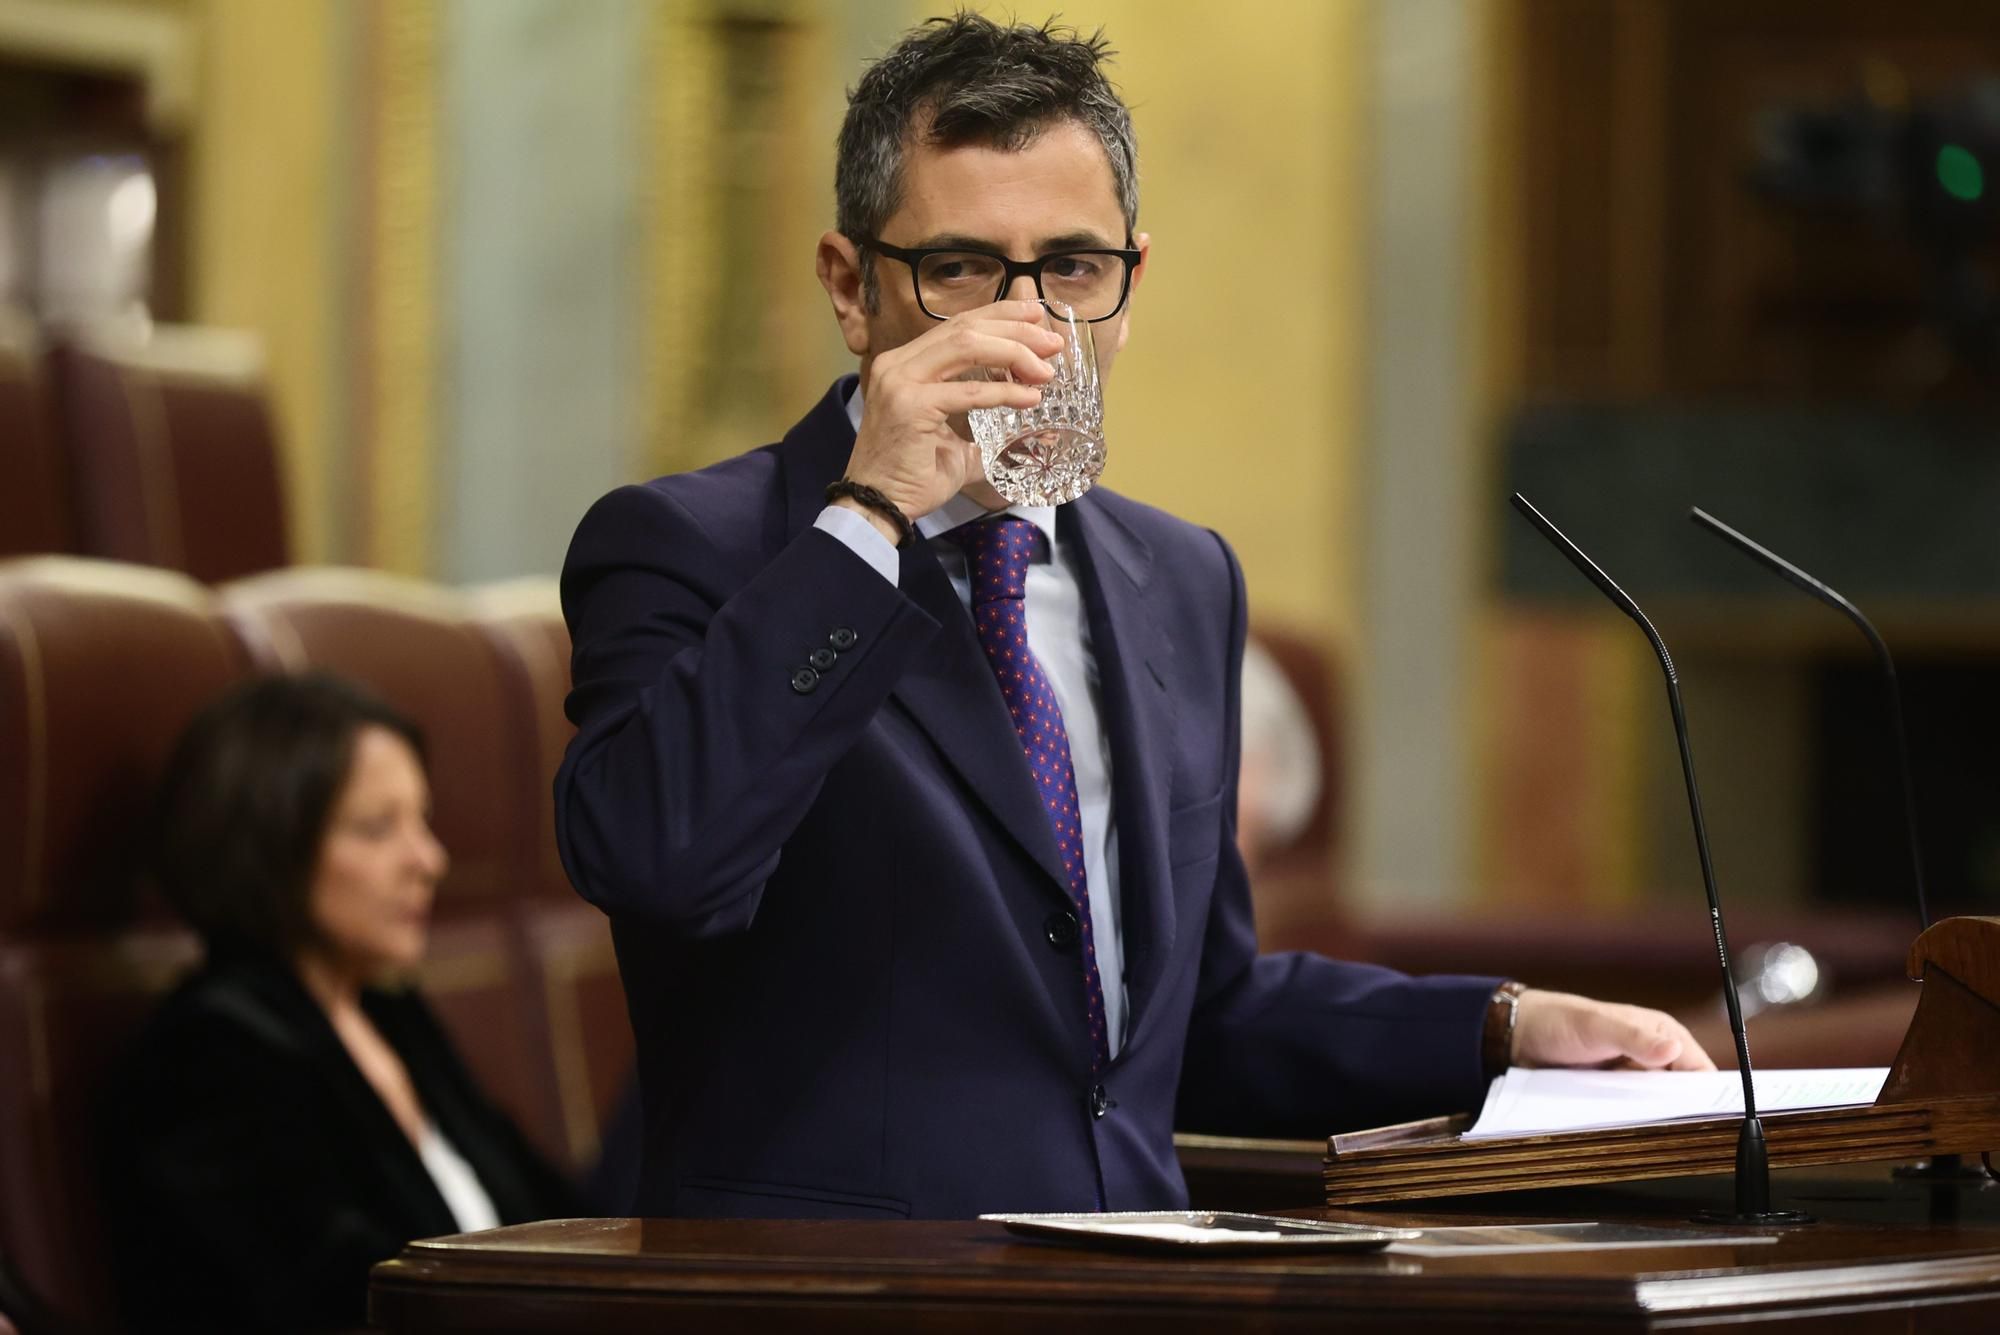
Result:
[
  {"x": 291, "y": 1115},
  {"x": 1279, "y": 785}
]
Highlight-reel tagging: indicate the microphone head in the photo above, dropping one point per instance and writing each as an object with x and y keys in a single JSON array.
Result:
[{"x": 1590, "y": 569}]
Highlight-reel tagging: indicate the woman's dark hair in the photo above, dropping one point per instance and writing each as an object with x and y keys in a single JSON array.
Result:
[{"x": 245, "y": 803}]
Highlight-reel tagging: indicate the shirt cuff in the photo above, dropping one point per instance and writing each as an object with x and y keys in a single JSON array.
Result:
[{"x": 863, "y": 539}]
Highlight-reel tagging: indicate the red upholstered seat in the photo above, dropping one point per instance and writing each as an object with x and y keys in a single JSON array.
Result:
[
  {"x": 173, "y": 452},
  {"x": 68, "y": 1005},
  {"x": 417, "y": 645},
  {"x": 36, "y": 515},
  {"x": 590, "y": 1032},
  {"x": 523, "y": 621},
  {"x": 568, "y": 941},
  {"x": 100, "y": 667}
]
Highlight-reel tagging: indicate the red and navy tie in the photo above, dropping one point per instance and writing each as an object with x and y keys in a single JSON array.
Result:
[{"x": 998, "y": 553}]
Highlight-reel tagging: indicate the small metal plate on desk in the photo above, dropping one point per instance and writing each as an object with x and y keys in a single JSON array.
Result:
[{"x": 1200, "y": 1230}]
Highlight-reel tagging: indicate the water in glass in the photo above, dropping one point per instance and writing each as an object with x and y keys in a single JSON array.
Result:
[{"x": 1049, "y": 454}]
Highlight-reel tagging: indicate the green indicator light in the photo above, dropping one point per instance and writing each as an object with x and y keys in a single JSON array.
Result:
[{"x": 1960, "y": 173}]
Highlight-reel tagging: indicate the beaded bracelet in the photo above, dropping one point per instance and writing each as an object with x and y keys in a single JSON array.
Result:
[{"x": 874, "y": 501}]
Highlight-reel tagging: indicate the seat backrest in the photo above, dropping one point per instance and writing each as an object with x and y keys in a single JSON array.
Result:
[
  {"x": 523, "y": 620},
  {"x": 591, "y": 1050},
  {"x": 568, "y": 942},
  {"x": 101, "y": 666},
  {"x": 173, "y": 453},
  {"x": 417, "y": 645},
  {"x": 68, "y": 1007},
  {"x": 35, "y": 510}
]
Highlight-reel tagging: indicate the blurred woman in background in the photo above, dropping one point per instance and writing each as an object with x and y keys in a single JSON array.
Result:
[{"x": 288, "y": 1118}]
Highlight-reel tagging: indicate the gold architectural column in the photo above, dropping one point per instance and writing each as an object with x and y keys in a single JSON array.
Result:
[
  {"x": 261, "y": 185},
  {"x": 739, "y": 186},
  {"x": 679, "y": 230},
  {"x": 395, "y": 368}
]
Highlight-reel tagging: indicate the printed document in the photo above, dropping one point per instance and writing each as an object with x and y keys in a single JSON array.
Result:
[{"x": 1533, "y": 1103}]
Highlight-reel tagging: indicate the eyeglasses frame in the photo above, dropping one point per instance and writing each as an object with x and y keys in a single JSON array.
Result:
[{"x": 1012, "y": 269}]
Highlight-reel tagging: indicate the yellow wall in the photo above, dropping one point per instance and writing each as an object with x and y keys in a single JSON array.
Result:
[{"x": 1238, "y": 403}]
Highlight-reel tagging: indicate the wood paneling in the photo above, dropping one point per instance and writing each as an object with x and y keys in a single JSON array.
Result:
[{"x": 1653, "y": 263}]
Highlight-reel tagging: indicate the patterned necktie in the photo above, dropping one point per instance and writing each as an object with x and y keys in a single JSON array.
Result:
[{"x": 998, "y": 553}]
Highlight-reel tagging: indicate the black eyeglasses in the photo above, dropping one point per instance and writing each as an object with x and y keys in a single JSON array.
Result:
[{"x": 951, "y": 281}]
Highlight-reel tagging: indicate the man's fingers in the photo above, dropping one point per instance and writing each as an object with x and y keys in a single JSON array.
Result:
[
  {"x": 1028, "y": 311},
  {"x": 1030, "y": 331},
  {"x": 996, "y": 337},
  {"x": 1657, "y": 1041},
  {"x": 963, "y": 396},
  {"x": 1692, "y": 1057},
  {"x": 1557, "y": 1029},
  {"x": 969, "y": 348}
]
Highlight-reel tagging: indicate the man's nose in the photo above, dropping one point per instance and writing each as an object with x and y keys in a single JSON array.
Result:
[{"x": 1021, "y": 289}]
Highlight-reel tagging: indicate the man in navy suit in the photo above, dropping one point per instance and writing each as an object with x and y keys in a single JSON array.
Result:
[{"x": 910, "y": 925}]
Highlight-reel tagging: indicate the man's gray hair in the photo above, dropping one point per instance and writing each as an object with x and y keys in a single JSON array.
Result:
[{"x": 968, "y": 80}]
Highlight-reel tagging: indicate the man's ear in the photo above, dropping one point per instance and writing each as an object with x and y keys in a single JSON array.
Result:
[
  {"x": 1144, "y": 242},
  {"x": 838, "y": 264}
]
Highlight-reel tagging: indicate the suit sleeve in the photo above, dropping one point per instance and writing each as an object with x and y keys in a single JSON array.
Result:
[
  {"x": 703, "y": 732},
  {"x": 1296, "y": 1044}
]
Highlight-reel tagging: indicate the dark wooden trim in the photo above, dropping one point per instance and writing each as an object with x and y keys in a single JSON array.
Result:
[{"x": 1890, "y": 1256}]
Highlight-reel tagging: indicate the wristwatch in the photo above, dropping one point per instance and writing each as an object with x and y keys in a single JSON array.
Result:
[{"x": 1496, "y": 1041}]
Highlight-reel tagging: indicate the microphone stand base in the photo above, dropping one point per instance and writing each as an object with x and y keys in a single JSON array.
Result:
[
  {"x": 1941, "y": 1168},
  {"x": 1756, "y": 1219}
]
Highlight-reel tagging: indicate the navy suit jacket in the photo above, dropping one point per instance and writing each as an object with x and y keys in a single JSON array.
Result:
[{"x": 831, "y": 892}]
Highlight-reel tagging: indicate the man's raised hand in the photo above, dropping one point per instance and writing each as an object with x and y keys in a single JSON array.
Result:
[{"x": 907, "y": 448}]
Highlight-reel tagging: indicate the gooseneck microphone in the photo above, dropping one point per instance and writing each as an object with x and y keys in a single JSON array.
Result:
[
  {"x": 1799, "y": 578},
  {"x": 1753, "y": 1163}
]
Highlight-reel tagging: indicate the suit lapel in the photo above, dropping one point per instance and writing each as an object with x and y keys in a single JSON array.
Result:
[
  {"x": 1135, "y": 663},
  {"x": 955, "y": 698},
  {"x": 952, "y": 694}
]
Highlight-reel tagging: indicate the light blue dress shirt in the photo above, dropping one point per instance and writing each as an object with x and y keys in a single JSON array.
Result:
[{"x": 1059, "y": 635}]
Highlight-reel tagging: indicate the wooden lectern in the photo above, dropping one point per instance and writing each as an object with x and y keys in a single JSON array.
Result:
[
  {"x": 1888, "y": 1255},
  {"x": 1942, "y": 1097}
]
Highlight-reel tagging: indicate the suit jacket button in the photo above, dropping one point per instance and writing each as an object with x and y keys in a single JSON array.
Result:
[
  {"x": 805, "y": 681},
  {"x": 842, "y": 639},
  {"x": 1100, "y": 1102},
  {"x": 1062, "y": 930},
  {"x": 822, "y": 659}
]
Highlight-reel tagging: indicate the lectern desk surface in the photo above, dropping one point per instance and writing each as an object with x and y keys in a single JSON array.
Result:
[{"x": 1887, "y": 1256}]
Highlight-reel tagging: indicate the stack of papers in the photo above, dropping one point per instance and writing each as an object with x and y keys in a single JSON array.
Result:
[
  {"x": 1535, "y": 1103},
  {"x": 1503, "y": 1239}
]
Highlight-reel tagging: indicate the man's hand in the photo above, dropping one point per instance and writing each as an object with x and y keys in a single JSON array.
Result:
[
  {"x": 906, "y": 448},
  {"x": 1558, "y": 1029}
]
